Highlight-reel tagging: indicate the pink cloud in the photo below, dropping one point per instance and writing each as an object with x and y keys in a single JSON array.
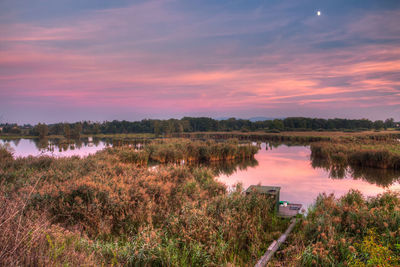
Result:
[{"x": 122, "y": 68}]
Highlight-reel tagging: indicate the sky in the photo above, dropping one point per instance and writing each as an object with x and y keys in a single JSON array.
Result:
[{"x": 69, "y": 60}]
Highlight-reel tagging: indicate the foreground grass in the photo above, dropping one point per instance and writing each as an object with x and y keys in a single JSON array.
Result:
[
  {"x": 104, "y": 210},
  {"x": 348, "y": 231}
]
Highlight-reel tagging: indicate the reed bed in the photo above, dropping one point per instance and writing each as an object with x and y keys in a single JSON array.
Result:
[
  {"x": 257, "y": 136},
  {"x": 184, "y": 150},
  {"x": 104, "y": 210},
  {"x": 296, "y": 137},
  {"x": 376, "y": 154},
  {"x": 348, "y": 231}
]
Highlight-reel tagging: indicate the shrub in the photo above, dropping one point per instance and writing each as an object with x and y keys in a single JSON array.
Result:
[{"x": 353, "y": 230}]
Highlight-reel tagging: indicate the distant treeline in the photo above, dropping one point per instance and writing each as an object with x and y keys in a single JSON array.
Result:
[{"x": 191, "y": 124}]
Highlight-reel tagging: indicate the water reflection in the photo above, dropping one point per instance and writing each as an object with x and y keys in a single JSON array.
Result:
[
  {"x": 380, "y": 177},
  {"x": 67, "y": 147},
  {"x": 55, "y": 147},
  {"x": 231, "y": 166},
  {"x": 274, "y": 144},
  {"x": 301, "y": 180}
]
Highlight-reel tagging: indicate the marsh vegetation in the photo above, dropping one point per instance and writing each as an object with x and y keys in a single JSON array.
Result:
[
  {"x": 383, "y": 154},
  {"x": 113, "y": 208},
  {"x": 103, "y": 209},
  {"x": 348, "y": 231}
]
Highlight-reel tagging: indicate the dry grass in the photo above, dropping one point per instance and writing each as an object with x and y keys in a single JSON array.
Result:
[
  {"x": 306, "y": 133},
  {"x": 367, "y": 153},
  {"x": 29, "y": 239},
  {"x": 184, "y": 150},
  {"x": 348, "y": 231},
  {"x": 104, "y": 210}
]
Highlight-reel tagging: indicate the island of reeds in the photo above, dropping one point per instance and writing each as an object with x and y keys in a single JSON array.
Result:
[{"x": 365, "y": 152}]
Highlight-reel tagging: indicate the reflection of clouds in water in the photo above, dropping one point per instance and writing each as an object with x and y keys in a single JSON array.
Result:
[
  {"x": 340, "y": 170},
  {"x": 36, "y": 147},
  {"x": 290, "y": 168},
  {"x": 232, "y": 166}
]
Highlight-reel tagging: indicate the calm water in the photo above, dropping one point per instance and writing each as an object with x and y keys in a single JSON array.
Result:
[
  {"x": 35, "y": 147},
  {"x": 286, "y": 166},
  {"x": 291, "y": 169}
]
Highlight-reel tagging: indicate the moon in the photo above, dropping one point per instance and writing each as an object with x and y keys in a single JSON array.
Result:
[{"x": 318, "y": 13}]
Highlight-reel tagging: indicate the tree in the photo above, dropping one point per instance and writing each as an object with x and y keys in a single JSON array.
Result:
[
  {"x": 41, "y": 130},
  {"x": 96, "y": 128},
  {"x": 179, "y": 127},
  {"x": 56, "y": 129},
  {"x": 168, "y": 127},
  {"x": 76, "y": 133},
  {"x": 15, "y": 130},
  {"x": 277, "y": 124},
  {"x": 389, "y": 123},
  {"x": 157, "y": 128},
  {"x": 378, "y": 125},
  {"x": 67, "y": 130}
]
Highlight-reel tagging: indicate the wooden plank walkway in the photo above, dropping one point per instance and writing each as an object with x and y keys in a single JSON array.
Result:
[{"x": 275, "y": 245}]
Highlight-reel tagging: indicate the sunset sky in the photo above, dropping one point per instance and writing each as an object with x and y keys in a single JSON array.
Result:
[{"x": 70, "y": 60}]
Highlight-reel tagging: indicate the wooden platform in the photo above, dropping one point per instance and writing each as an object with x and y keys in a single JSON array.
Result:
[
  {"x": 289, "y": 211},
  {"x": 273, "y": 191}
]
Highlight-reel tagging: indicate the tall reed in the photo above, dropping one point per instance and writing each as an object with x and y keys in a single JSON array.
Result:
[
  {"x": 104, "y": 210},
  {"x": 375, "y": 154},
  {"x": 348, "y": 231}
]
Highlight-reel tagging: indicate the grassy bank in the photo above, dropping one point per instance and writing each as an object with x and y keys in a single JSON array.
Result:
[
  {"x": 348, "y": 231},
  {"x": 296, "y": 137},
  {"x": 367, "y": 153},
  {"x": 104, "y": 210},
  {"x": 257, "y": 136}
]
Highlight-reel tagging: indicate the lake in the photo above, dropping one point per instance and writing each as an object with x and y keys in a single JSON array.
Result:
[
  {"x": 53, "y": 147},
  {"x": 286, "y": 166},
  {"x": 290, "y": 168}
]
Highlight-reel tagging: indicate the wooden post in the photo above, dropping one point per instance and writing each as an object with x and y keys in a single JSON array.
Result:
[{"x": 275, "y": 245}]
